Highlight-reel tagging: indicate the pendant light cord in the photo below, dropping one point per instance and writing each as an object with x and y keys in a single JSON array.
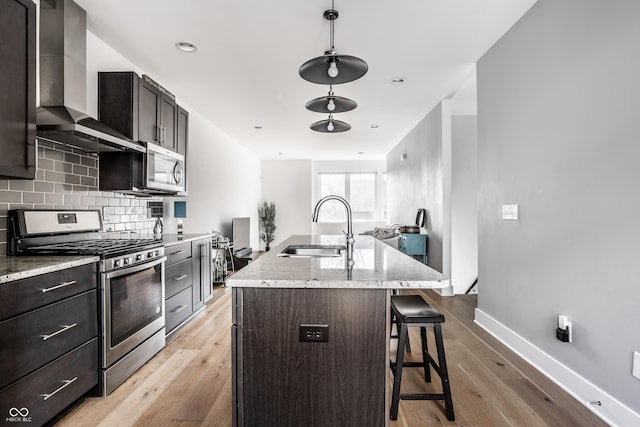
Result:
[{"x": 331, "y": 31}]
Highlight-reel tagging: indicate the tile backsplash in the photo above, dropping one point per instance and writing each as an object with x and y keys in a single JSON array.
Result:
[{"x": 67, "y": 178}]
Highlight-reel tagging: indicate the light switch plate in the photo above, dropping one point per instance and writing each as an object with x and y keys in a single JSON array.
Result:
[
  {"x": 636, "y": 365},
  {"x": 510, "y": 212}
]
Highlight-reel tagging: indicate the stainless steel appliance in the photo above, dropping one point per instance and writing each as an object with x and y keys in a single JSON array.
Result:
[
  {"x": 164, "y": 169},
  {"x": 131, "y": 272}
]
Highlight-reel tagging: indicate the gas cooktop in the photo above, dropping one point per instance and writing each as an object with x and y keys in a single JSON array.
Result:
[{"x": 105, "y": 247}]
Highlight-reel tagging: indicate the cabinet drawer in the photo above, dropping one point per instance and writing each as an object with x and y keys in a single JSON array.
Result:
[
  {"x": 178, "y": 309},
  {"x": 177, "y": 253},
  {"x": 402, "y": 244},
  {"x": 27, "y": 294},
  {"x": 31, "y": 340},
  {"x": 178, "y": 277},
  {"x": 52, "y": 388}
]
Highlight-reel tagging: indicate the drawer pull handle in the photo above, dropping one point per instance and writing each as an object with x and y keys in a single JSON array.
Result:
[
  {"x": 66, "y": 383},
  {"x": 64, "y": 328},
  {"x": 177, "y": 278},
  {"x": 61, "y": 285},
  {"x": 179, "y": 309},
  {"x": 179, "y": 252}
]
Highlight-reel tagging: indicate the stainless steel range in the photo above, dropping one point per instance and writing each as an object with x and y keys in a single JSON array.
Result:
[{"x": 132, "y": 315}]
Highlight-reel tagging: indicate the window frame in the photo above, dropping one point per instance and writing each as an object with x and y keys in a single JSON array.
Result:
[{"x": 347, "y": 196}]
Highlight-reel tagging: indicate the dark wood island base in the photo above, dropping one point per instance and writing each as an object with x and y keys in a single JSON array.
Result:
[{"x": 280, "y": 381}]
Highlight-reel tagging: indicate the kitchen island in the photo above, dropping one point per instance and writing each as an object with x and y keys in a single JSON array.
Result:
[{"x": 310, "y": 335}]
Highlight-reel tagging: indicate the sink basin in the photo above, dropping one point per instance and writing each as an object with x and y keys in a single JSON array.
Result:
[{"x": 312, "y": 251}]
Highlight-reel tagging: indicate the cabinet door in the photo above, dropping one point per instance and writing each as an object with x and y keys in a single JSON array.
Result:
[
  {"x": 168, "y": 118},
  {"x": 148, "y": 113},
  {"x": 18, "y": 88},
  {"x": 205, "y": 267},
  {"x": 201, "y": 273},
  {"x": 183, "y": 131}
]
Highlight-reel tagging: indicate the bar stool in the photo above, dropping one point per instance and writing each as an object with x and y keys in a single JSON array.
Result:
[{"x": 411, "y": 311}]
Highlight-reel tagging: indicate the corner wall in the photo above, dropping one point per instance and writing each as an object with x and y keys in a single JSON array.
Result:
[
  {"x": 558, "y": 128},
  {"x": 287, "y": 183},
  {"x": 419, "y": 182}
]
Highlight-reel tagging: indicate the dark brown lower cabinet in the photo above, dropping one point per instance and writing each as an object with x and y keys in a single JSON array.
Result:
[
  {"x": 48, "y": 344},
  {"x": 187, "y": 280},
  {"x": 279, "y": 380}
]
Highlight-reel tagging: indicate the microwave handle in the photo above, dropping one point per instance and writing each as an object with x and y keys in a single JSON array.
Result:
[{"x": 135, "y": 268}]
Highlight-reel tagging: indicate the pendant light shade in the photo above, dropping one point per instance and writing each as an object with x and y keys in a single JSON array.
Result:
[
  {"x": 331, "y": 68},
  {"x": 331, "y": 104},
  {"x": 330, "y": 125},
  {"x": 349, "y": 68}
]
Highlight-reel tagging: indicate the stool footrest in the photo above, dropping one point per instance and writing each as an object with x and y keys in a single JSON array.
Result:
[
  {"x": 413, "y": 364},
  {"x": 422, "y": 396}
]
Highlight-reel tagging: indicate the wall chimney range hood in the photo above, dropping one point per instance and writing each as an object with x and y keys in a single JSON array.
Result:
[{"x": 60, "y": 117}]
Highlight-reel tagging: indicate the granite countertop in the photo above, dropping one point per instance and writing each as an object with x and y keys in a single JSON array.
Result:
[
  {"x": 375, "y": 265},
  {"x": 20, "y": 267},
  {"x": 172, "y": 239}
]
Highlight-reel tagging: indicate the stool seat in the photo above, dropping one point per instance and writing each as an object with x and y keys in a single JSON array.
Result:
[{"x": 414, "y": 309}]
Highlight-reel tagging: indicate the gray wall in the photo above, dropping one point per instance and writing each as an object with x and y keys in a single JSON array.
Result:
[
  {"x": 464, "y": 202},
  {"x": 559, "y": 130},
  {"x": 417, "y": 182}
]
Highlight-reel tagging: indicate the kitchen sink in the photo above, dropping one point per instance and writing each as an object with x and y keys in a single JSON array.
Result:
[{"x": 312, "y": 251}]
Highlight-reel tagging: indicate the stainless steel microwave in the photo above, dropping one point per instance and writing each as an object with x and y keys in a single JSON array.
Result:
[{"x": 164, "y": 169}]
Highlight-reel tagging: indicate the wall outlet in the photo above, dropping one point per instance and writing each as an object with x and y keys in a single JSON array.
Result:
[
  {"x": 635, "y": 369},
  {"x": 564, "y": 331},
  {"x": 313, "y": 333},
  {"x": 510, "y": 212}
]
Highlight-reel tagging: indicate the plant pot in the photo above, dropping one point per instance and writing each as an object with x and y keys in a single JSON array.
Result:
[{"x": 267, "y": 248}]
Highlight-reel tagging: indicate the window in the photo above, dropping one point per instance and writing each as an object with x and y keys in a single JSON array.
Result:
[{"x": 359, "y": 189}]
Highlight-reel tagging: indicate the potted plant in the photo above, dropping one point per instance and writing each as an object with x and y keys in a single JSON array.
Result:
[{"x": 267, "y": 218}]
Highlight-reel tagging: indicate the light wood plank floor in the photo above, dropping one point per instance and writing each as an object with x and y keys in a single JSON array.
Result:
[{"x": 189, "y": 382}]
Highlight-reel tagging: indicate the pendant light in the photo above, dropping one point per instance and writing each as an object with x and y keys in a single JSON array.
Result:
[
  {"x": 331, "y": 104},
  {"x": 332, "y": 68},
  {"x": 330, "y": 125}
]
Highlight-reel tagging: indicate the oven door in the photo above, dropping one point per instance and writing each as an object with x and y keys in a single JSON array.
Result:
[
  {"x": 164, "y": 169},
  {"x": 132, "y": 308}
]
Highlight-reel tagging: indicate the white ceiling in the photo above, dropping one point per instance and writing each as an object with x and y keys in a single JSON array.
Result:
[{"x": 245, "y": 71}]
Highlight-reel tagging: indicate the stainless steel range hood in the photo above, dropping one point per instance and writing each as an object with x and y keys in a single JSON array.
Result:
[{"x": 60, "y": 117}]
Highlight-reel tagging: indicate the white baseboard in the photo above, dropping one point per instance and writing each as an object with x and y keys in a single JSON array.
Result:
[{"x": 610, "y": 410}]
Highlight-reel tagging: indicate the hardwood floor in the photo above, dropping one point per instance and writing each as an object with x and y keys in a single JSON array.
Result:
[{"x": 189, "y": 382}]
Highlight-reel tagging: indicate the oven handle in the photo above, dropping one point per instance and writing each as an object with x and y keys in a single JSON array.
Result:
[{"x": 135, "y": 268}]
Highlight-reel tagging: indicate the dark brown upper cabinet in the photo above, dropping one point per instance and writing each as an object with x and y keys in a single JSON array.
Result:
[
  {"x": 18, "y": 89},
  {"x": 183, "y": 131},
  {"x": 137, "y": 108}
]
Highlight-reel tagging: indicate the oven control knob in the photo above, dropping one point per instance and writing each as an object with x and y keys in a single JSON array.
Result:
[
  {"x": 156, "y": 253},
  {"x": 127, "y": 261},
  {"x": 150, "y": 254},
  {"x": 117, "y": 263},
  {"x": 139, "y": 257}
]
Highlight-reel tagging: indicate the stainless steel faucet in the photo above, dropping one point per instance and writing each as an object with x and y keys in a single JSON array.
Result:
[{"x": 316, "y": 211}]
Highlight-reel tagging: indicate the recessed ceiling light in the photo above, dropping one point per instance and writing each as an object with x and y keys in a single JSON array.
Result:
[
  {"x": 280, "y": 154},
  {"x": 375, "y": 126},
  {"x": 186, "y": 46},
  {"x": 257, "y": 127},
  {"x": 398, "y": 80},
  {"x": 360, "y": 152}
]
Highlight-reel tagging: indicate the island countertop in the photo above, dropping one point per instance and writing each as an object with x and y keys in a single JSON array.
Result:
[{"x": 376, "y": 265}]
